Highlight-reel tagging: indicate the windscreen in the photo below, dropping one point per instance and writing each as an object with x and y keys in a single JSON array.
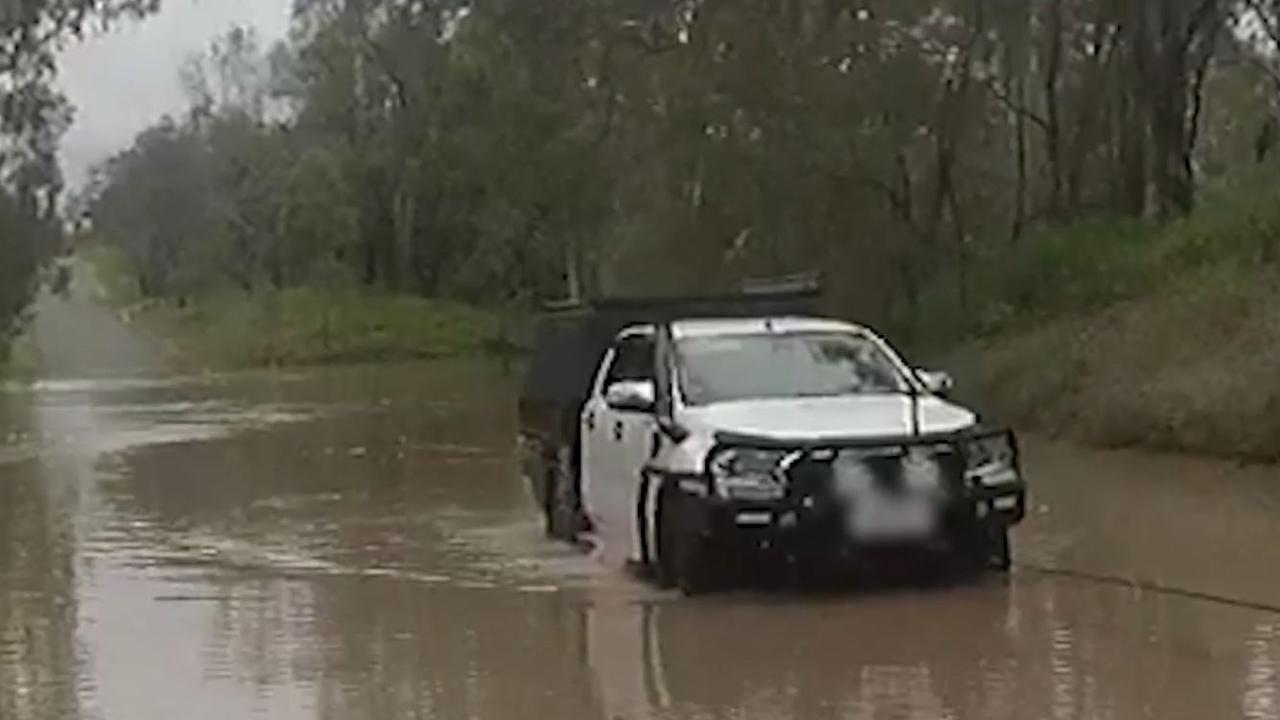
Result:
[{"x": 746, "y": 367}]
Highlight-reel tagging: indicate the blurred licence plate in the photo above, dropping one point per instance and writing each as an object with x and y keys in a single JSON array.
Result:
[{"x": 883, "y": 517}]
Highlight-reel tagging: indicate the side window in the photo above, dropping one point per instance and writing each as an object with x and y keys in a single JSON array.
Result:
[{"x": 632, "y": 360}]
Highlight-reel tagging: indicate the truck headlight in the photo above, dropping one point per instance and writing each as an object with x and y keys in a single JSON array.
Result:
[
  {"x": 748, "y": 474},
  {"x": 992, "y": 460}
]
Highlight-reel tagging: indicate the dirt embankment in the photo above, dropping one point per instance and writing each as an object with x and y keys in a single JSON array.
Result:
[{"x": 1194, "y": 367}]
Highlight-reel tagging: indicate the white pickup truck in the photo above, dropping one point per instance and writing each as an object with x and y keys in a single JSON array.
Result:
[{"x": 700, "y": 446}]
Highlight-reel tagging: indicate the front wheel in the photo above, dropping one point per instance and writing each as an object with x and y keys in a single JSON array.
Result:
[
  {"x": 686, "y": 559},
  {"x": 986, "y": 549},
  {"x": 699, "y": 569},
  {"x": 1000, "y": 549}
]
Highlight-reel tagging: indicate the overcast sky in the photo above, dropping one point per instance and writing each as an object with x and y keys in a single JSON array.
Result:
[{"x": 122, "y": 82}]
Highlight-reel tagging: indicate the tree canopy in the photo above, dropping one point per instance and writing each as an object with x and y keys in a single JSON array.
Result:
[
  {"x": 33, "y": 117},
  {"x": 505, "y": 151}
]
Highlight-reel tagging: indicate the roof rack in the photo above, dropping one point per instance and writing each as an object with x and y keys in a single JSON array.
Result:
[
  {"x": 794, "y": 288},
  {"x": 563, "y": 305},
  {"x": 798, "y": 283}
]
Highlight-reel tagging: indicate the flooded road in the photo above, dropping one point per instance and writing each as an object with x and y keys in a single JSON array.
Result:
[{"x": 355, "y": 543}]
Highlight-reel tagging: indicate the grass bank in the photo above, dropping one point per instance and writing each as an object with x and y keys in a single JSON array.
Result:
[
  {"x": 1126, "y": 334},
  {"x": 20, "y": 361},
  {"x": 294, "y": 327},
  {"x": 309, "y": 327}
]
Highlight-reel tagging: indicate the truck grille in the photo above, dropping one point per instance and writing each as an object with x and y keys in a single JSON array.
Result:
[{"x": 889, "y": 469}]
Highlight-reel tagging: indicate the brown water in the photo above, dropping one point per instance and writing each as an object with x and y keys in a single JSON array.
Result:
[{"x": 356, "y": 544}]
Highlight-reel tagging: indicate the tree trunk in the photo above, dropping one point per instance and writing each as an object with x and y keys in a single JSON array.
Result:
[
  {"x": 572, "y": 273},
  {"x": 961, "y": 236},
  {"x": 1129, "y": 194},
  {"x": 1053, "y": 114},
  {"x": 1173, "y": 44},
  {"x": 1020, "y": 147},
  {"x": 404, "y": 209},
  {"x": 1172, "y": 161}
]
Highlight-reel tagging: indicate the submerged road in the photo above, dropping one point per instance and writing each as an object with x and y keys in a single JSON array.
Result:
[{"x": 354, "y": 544}]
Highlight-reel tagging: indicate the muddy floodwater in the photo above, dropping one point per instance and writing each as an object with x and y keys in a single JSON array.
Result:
[{"x": 356, "y": 543}]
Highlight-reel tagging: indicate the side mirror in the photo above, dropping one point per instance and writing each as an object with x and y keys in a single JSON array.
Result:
[
  {"x": 631, "y": 396},
  {"x": 935, "y": 382}
]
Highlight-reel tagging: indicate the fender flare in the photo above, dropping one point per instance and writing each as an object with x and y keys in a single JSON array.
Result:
[
  {"x": 655, "y": 483},
  {"x": 648, "y": 500}
]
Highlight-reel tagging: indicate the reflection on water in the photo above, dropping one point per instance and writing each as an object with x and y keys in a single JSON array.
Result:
[
  {"x": 355, "y": 544},
  {"x": 951, "y": 655},
  {"x": 1060, "y": 654},
  {"x": 39, "y": 666},
  {"x": 1260, "y": 700}
]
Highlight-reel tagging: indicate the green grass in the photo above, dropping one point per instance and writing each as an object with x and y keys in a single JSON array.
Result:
[
  {"x": 20, "y": 361},
  {"x": 114, "y": 273},
  {"x": 303, "y": 326},
  {"x": 1128, "y": 334},
  {"x": 308, "y": 327},
  {"x": 1072, "y": 270}
]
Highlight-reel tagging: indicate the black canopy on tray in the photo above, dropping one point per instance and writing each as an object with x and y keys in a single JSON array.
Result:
[{"x": 570, "y": 340}]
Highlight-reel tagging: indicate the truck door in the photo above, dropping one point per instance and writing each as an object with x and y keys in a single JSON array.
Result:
[{"x": 617, "y": 443}]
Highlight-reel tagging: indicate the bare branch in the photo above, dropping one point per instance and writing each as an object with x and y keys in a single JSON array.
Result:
[{"x": 1013, "y": 106}]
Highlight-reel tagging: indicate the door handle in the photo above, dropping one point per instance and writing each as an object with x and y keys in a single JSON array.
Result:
[
  {"x": 591, "y": 421},
  {"x": 617, "y": 431}
]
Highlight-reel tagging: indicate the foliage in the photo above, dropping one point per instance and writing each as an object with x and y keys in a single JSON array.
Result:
[
  {"x": 19, "y": 262},
  {"x": 1078, "y": 268},
  {"x": 1169, "y": 342},
  {"x": 947, "y": 163},
  {"x": 305, "y": 326},
  {"x": 116, "y": 277},
  {"x": 33, "y": 117}
]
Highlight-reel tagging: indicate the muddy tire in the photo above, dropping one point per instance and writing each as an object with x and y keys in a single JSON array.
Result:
[
  {"x": 1000, "y": 550},
  {"x": 979, "y": 552},
  {"x": 701, "y": 571},
  {"x": 686, "y": 560},
  {"x": 988, "y": 551},
  {"x": 563, "y": 517}
]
